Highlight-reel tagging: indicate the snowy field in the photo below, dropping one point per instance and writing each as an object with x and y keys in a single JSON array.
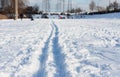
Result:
[
  {"x": 75, "y": 16},
  {"x": 98, "y": 16},
  {"x": 60, "y": 48}
]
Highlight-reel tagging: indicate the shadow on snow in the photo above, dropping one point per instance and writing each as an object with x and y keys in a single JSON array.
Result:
[
  {"x": 59, "y": 57},
  {"x": 43, "y": 58}
]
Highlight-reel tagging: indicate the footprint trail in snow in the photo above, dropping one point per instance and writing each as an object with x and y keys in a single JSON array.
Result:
[{"x": 58, "y": 56}]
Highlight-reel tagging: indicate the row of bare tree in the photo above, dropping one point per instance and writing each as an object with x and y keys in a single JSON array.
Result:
[
  {"x": 111, "y": 7},
  {"x": 8, "y": 7}
]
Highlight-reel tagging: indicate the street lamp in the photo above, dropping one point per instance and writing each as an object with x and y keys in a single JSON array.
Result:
[{"x": 16, "y": 9}]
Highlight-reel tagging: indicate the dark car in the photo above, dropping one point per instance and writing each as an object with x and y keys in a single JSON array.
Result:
[{"x": 44, "y": 16}]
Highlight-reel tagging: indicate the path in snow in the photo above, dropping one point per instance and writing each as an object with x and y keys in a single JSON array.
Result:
[
  {"x": 43, "y": 57},
  {"x": 57, "y": 55}
]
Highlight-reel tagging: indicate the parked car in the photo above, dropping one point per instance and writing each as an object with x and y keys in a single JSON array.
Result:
[{"x": 44, "y": 16}]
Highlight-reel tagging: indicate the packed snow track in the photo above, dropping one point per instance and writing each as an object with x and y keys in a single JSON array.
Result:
[{"x": 60, "y": 48}]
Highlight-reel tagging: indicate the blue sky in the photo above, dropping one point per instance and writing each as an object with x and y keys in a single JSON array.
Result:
[{"x": 76, "y": 3}]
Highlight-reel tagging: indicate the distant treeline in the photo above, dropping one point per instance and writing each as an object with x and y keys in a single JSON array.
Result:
[{"x": 101, "y": 12}]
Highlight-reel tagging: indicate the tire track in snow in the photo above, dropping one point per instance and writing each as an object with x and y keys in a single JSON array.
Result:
[
  {"x": 44, "y": 56},
  {"x": 59, "y": 57}
]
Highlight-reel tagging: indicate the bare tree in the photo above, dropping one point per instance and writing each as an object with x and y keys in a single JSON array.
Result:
[
  {"x": 8, "y": 6},
  {"x": 6, "y": 3},
  {"x": 92, "y": 5},
  {"x": 113, "y": 6}
]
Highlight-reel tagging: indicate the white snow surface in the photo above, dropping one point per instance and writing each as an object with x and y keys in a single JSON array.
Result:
[
  {"x": 98, "y": 16},
  {"x": 60, "y": 48},
  {"x": 78, "y": 16}
]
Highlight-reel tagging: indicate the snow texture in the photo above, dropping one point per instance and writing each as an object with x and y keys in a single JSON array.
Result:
[{"x": 60, "y": 48}]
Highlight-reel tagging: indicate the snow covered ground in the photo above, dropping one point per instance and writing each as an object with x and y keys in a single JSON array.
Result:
[
  {"x": 98, "y": 16},
  {"x": 60, "y": 48},
  {"x": 77, "y": 16}
]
